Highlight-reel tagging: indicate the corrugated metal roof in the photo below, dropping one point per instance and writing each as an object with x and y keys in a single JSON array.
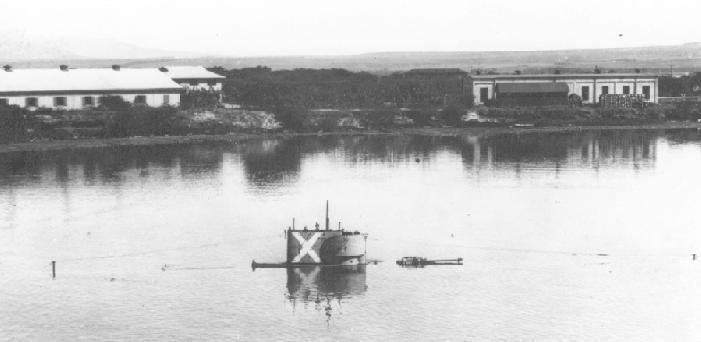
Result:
[
  {"x": 589, "y": 76},
  {"x": 106, "y": 79},
  {"x": 190, "y": 72},
  {"x": 529, "y": 88}
]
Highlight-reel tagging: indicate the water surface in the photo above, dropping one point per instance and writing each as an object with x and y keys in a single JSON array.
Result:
[{"x": 565, "y": 236}]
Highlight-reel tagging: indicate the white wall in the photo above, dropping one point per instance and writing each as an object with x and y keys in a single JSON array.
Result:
[
  {"x": 155, "y": 100},
  {"x": 575, "y": 86},
  {"x": 74, "y": 102},
  {"x": 476, "y": 86}
]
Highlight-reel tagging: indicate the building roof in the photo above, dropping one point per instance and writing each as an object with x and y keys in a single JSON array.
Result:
[
  {"x": 551, "y": 76},
  {"x": 530, "y": 88},
  {"x": 87, "y": 80},
  {"x": 189, "y": 72},
  {"x": 437, "y": 71}
]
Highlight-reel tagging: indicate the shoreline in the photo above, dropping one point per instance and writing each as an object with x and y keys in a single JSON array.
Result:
[{"x": 57, "y": 145}]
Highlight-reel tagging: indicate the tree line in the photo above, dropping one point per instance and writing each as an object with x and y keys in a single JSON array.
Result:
[{"x": 264, "y": 88}]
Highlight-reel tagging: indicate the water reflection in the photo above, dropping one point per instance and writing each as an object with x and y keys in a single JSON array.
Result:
[
  {"x": 115, "y": 165},
  {"x": 580, "y": 148},
  {"x": 682, "y": 136},
  {"x": 272, "y": 162},
  {"x": 197, "y": 160},
  {"x": 276, "y": 162},
  {"x": 326, "y": 286}
]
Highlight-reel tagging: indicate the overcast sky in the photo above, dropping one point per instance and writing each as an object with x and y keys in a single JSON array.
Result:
[{"x": 326, "y": 27}]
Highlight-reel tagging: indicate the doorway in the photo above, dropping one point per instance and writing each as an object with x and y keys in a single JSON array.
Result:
[{"x": 484, "y": 94}]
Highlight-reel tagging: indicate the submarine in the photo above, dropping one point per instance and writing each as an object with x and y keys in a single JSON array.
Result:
[{"x": 321, "y": 247}]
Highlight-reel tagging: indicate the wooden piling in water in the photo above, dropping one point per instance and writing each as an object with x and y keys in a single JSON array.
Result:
[{"x": 53, "y": 269}]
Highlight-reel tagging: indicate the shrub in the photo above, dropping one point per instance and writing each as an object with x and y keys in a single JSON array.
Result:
[
  {"x": 328, "y": 123},
  {"x": 290, "y": 117},
  {"x": 422, "y": 118},
  {"x": 558, "y": 113},
  {"x": 199, "y": 100},
  {"x": 13, "y": 124},
  {"x": 111, "y": 102},
  {"x": 452, "y": 115},
  {"x": 617, "y": 113},
  {"x": 538, "y": 114},
  {"x": 377, "y": 119},
  {"x": 145, "y": 121},
  {"x": 684, "y": 111},
  {"x": 658, "y": 112}
]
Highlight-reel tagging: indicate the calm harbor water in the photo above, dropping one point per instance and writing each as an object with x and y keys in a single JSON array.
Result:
[{"x": 565, "y": 236}]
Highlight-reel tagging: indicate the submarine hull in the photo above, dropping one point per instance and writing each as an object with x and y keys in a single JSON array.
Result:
[{"x": 325, "y": 247}]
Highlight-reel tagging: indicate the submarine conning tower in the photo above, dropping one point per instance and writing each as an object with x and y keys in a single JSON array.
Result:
[{"x": 326, "y": 247}]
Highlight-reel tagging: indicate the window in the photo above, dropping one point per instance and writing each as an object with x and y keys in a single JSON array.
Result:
[
  {"x": 140, "y": 100},
  {"x": 212, "y": 83},
  {"x": 193, "y": 83},
  {"x": 646, "y": 92},
  {"x": 3, "y": 102},
  {"x": 626, "y": 90},
  {"x": 31, "y": 102},
  {"x": 166, "y": 100},
  {"x": 88, "y": 101},
  {"x": 585, "y": 93},
  {"x": 604, "y": 90},
  {"x": 60, "y": 101}
]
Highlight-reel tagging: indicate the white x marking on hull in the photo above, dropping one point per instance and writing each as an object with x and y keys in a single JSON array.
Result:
[{"x": 306, "y": 247}]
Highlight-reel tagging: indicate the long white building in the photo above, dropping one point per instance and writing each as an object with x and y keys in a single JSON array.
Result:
[
  {"x": 588, "y": 86},
  {"x": 66, "y": 88},
  {"x": 194, "y": 78}
]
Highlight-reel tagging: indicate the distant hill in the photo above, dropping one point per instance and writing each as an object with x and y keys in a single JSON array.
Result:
[
  {"x": 686, "y": 57},
  {"x": 22, "y": 47}
]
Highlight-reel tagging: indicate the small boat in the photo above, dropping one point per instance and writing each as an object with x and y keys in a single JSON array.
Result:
[{"x": 421, "y": 262}]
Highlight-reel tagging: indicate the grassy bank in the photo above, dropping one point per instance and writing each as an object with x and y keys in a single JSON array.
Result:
[{"x": 233, "y": 137}]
